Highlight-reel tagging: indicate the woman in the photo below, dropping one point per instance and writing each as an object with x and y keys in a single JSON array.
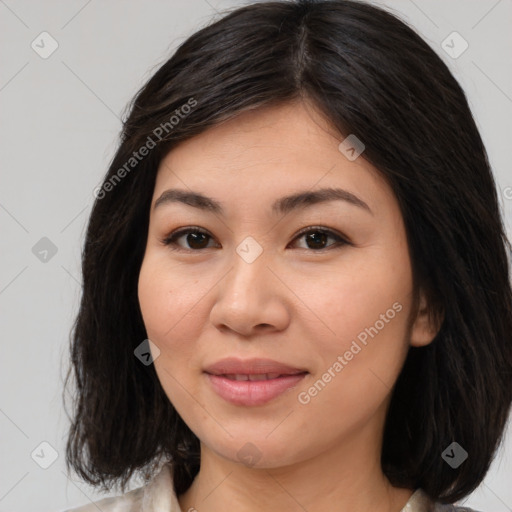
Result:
[{"x": 232, "y": 355}]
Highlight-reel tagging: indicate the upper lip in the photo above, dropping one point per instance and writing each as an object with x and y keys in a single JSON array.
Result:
[{"x": 256, "y": 366}]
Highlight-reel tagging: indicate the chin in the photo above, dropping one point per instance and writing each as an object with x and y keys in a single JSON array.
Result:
[{"x": 255, "y": 450}]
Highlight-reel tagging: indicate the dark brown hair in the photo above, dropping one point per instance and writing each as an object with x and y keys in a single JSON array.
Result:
[{"x": 371, "y": 76}]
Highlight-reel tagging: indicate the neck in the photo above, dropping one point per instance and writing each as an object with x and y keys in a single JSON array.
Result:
[{"x": 346, "y": 477}]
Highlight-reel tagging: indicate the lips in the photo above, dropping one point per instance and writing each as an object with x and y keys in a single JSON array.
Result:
[
  {"x": 258, "y": 366},
  {"x": 252, "y": 382},
  {"x": 253, "y": 376}
]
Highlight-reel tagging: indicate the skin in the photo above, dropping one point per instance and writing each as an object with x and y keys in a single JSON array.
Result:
[{"x": 300, "y": 302}]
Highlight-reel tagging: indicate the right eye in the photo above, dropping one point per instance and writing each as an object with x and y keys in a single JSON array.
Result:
[{"x": 196, "y": 238}]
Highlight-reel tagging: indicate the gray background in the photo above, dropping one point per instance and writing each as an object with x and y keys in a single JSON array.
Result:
[{"x": 60, "y": 122}]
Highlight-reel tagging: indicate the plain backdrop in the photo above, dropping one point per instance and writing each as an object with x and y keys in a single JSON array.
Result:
[{"x": 60, "y": 122}]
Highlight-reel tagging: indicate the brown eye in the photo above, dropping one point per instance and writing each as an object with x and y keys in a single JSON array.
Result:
[
  {"x": 195, "y": 238},
  {"x": 316, "y": 238}
]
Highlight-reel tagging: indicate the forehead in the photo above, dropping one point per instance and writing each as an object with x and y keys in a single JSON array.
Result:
[{"x": 267, "y": 153}]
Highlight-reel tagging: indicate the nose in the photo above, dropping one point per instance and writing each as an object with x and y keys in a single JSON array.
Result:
[{"x": 251, "y": 299}]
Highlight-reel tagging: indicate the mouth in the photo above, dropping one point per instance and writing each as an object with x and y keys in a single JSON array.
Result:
[
  {"x": 256, "y": 376},
  {"x": 252, "y": 382},
  {"x": 234, "y": 367}
]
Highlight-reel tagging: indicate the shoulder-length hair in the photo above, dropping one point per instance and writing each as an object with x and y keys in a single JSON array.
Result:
[{"x": 371, "y": 76}]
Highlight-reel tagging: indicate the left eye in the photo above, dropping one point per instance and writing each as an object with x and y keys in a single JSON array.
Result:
[
  {"x": 318, "y": 236},
  {"x": 197, "y": 239}
]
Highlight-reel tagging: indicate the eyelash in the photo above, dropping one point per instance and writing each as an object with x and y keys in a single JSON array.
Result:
[{"x": 170, "y": 240}]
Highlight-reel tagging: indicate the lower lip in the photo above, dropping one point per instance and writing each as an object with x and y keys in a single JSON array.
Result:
[{"x": 255, "y": 392}]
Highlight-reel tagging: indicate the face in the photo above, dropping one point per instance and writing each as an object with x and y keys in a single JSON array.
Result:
[{"x": 318, "y": 285}]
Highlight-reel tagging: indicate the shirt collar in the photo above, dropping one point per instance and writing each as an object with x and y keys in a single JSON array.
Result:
[
  {"x": 418, "y": 502},
  {"x": 159, "y": 494}
]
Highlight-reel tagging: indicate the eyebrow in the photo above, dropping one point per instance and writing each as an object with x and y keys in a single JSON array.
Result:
[{"x": 299, "y": 200}]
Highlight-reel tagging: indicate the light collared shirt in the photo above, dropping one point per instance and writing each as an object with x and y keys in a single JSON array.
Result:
[{"x": 158, "y": 495}]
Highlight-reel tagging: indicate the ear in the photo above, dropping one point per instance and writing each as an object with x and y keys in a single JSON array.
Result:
[{"x": 425, "y": 326}]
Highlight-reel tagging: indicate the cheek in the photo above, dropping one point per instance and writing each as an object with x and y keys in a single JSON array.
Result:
[
  {"x": 364, "y": 313},
  {"x": 347, "y": 301},
  {"x": 167, "y": 299},
  {"x": 154, "y": 300}
]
